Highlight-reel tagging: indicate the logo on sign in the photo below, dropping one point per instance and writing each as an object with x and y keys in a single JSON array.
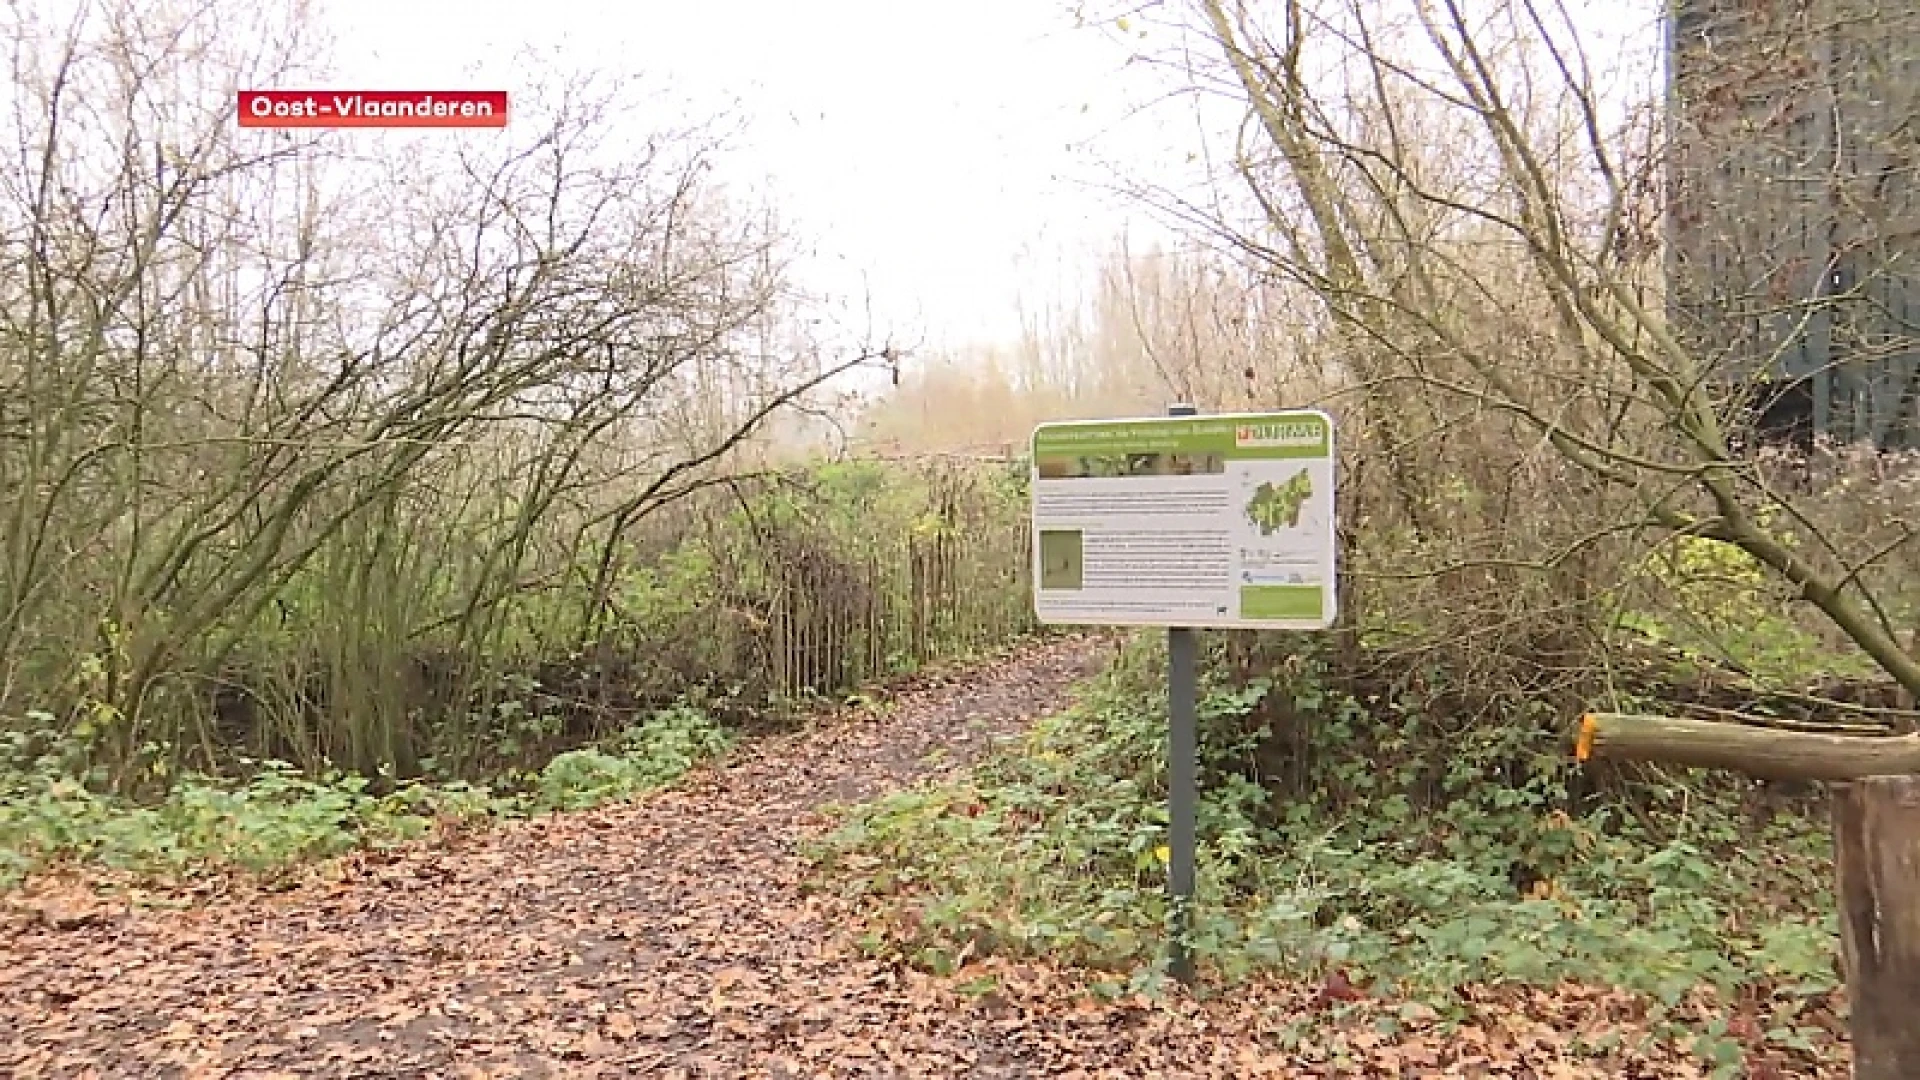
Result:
[{"x": 1290, "y": 433}]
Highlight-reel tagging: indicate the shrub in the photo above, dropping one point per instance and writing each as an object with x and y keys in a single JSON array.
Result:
[
  {"x": 1056, "y": 847},
  {"x": 279, "y": 818}
]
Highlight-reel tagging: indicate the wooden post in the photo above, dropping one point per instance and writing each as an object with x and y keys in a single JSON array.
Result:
[
  {"x": 1876, "y": 844},
  {"x": 1876, "y": 850}
]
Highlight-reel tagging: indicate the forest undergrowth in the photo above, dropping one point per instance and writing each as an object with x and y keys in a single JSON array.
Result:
[
  {"x": 1382, "y": 824},
  {"x": 741, "y": 614}
]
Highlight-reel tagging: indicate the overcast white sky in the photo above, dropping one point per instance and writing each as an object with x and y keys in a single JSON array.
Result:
[
  {"x": 928, "y": 148},
  {"x": 945, "y": 159},
  {"x": 933, "y": 151}
]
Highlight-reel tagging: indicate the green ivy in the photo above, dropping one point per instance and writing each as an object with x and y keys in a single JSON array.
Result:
[
  {"x": 1057, "y": 847},
  {"x": 279, "y": 818},
  {"x": 650, "y": 756}
]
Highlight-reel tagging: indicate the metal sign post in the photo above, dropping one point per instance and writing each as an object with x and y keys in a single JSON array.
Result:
[{"x": 1183, "y": 782}]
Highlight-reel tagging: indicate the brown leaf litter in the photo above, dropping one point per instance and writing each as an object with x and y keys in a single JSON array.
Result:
[{"x": 671, "y": 937}]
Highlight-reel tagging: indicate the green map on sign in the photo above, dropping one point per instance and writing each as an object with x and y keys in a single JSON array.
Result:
[{"x": 1277, "y": 506}]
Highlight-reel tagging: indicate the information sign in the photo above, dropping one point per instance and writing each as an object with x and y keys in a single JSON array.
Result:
[{"x": 1219, "y": 521}]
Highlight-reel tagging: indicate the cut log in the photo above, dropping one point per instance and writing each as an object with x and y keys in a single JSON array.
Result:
[
  {"x": 1769, "y": 753},
  {"x": 1876, "y": 832},
  {"x": 1876, "y": 842}
]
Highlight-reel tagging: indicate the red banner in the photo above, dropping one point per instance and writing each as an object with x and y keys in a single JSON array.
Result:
[{"x": 373, "y": 108}]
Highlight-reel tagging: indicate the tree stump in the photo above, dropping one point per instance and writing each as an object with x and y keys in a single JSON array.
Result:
[{"x": 1876, "y": 832}]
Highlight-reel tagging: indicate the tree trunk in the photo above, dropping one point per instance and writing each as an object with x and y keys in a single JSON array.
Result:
[{"x": 1876, "y": 832}]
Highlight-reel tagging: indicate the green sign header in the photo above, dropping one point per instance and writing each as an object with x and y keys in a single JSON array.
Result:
[{"x": 1301, "y": 434}]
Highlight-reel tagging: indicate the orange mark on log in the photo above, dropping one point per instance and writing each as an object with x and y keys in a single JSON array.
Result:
[{"x": 1583, "y": 746}]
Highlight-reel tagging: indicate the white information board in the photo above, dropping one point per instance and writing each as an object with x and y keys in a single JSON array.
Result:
[{"x": 1222, "y": 521}]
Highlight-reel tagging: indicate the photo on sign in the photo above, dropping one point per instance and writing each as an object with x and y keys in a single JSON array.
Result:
[
  {"x": 1197, "y": 464},
  {"x": 1095, "y": 466},
  {"x": 1062, "y": 559}
]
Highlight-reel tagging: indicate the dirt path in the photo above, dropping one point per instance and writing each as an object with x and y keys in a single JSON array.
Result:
[
  {"x": 672, "y": 938},
  {"x": 665, "y": 938}
]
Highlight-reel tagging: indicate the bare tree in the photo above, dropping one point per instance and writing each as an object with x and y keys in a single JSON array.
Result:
[
  {"x": 1587, "y": 299},
  {"x": 239, "y": 365},
  {"x": 1482, "y": 225}
]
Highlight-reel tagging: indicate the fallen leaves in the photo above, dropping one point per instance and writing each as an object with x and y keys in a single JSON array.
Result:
[
  {"x": 672, "y": 938},
  {"x": 57, "y": 903},
  {"x": 1338, "y": 987}
]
